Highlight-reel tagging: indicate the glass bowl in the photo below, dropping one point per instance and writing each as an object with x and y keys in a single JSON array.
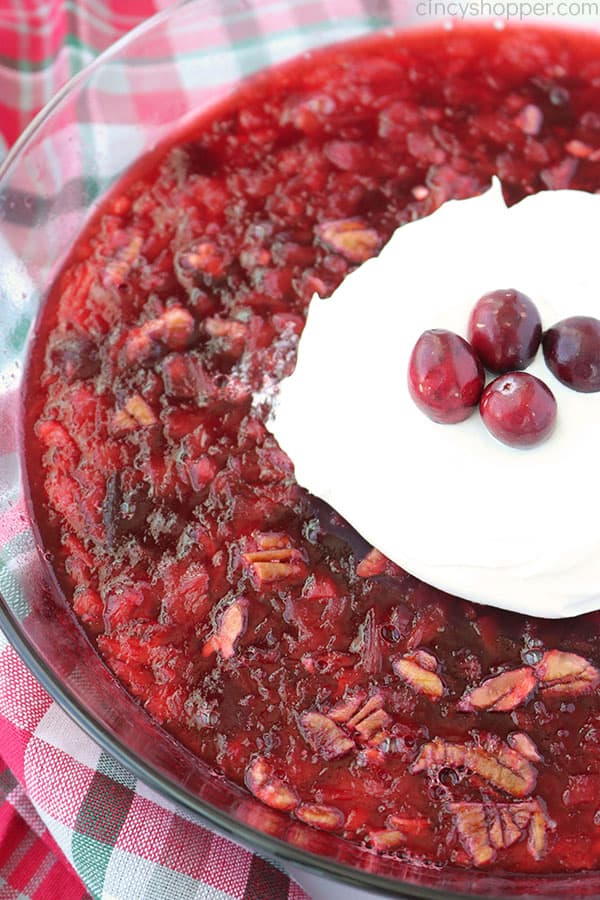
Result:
[{"x": 124, "y": 104}]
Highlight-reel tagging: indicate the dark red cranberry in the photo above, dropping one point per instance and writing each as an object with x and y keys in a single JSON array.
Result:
[
  {"x": 518, "y": 409},
  {"x": 505, "y": 330},
  {"x": 572, "y": 352},
  {"x": 445, "y": 378}
]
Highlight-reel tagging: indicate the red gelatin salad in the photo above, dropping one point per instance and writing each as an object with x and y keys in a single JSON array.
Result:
[{"x": 250, "y": 620}]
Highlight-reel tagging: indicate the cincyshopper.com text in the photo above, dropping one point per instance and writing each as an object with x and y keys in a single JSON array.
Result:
[{"x": 507, "y": 9}]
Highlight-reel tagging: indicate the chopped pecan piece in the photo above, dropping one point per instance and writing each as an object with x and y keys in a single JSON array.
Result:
[
  {"x": 385, "y": 840},
  {"x": 373, "y": 703},
  {"x": 324, "y": 736},
  {"x": 539, "y": 825},
  {"x": 408, "y": 824},
  {"x": 326, "y": 817},
  {"x": 226, "y": 328},
  {"x": 203, "y": 260},
  {"x": 272, "y": 540},
  {"x": 473, "y": 831},
  {"x": 173, "y": 330},
  {"x": 118, "y": 268},
  {"x": 137, "y": 413},
  {"x": 141, "y": 411},
  {"x": 510, "y": 830},
  {"x": 351, "y": 238},
  {"x": 566, "y": 674},
  {"x": 373, "y": 724},
  {"x": 499, "y": 764},
  {"x": 418, "y": 670},
  {"x": 271, "y": 571},
  {"x": 375, "y": 563},
  {"x": 345, "y": 708},
  {"x": 122, "y": 422},
  {"x": 271, "y": 790},
  {"x": 178, "y": 326},
  {"x": 523, "y": 744},
  {"x": 232, "y": 625},
  {"x": 530, "y": 119},
  {"x": 274, "y": 560},
  {"x": 231, "y": 334},
  {"x": 502, "y": 693},
  {"x": 424, "y": 659},
  {"x": 579, "y": 149}
]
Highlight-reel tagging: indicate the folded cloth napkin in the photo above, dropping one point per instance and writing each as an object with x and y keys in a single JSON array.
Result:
[{"x": 73, "y": 822}]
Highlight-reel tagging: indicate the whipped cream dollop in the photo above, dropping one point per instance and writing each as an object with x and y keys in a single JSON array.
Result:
[{"x": 516, "y": 529}]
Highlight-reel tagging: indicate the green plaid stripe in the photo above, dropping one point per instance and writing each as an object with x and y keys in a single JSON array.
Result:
[
  {"x": 263, "y": 882},
  {"x": 103, "y": 811},
  {"x": 7, "y": 783}
]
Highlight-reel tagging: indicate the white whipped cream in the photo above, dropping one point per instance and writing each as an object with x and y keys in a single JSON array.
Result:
[{"x": 517, "y": 529}]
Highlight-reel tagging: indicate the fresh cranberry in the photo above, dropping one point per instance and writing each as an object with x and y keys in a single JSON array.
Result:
[
  {"x": 505, "y": 330},
  {"x": 572, "y": 352},
  {"x": 445, "y": 378},
  {"x": 518, "y": 409}
]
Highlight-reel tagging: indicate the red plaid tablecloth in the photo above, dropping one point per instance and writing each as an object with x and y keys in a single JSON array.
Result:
[{"x": 73, "y": 823}]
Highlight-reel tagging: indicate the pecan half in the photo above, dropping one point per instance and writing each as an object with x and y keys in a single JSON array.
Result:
[
  {"x": 418, "y": 670},
  {"x": 271, "y": 790},
  {"x": 351, "y": 238},
  {"x": 485, "y": 828},
  {"x": 324, "y": 736},
  {"x": 501, "y": 693},
  {"x": 498, "y": 764},
  {"x": 566, "y": 674}
]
